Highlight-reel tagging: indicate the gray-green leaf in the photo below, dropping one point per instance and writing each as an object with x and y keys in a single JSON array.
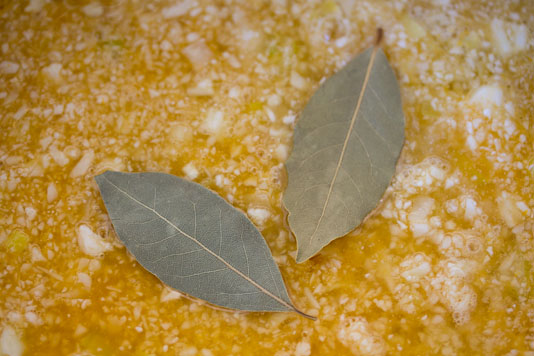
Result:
[
  {"x": 346, "y": 145},
  {"x": 193, "y": 240}
]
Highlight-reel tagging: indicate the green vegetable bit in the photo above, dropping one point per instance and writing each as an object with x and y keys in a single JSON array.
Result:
[{"x": 17, "y": 241}]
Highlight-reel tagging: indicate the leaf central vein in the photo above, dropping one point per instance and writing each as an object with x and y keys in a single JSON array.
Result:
[{"x": 345, "y": 143}]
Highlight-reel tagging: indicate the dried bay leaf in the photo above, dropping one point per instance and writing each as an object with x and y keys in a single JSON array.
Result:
[
  {"x": 194, "y": 241},
  {"x": 346, "y": 145}
]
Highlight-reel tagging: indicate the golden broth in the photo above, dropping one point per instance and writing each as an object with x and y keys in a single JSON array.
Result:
[{"x": 210, "y": 90}]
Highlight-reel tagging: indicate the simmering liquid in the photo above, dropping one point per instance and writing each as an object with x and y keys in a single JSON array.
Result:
[{"x": 210, "y": 91}]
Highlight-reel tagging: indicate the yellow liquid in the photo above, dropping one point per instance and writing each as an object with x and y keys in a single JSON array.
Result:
[{"x": 210, "y": 92}]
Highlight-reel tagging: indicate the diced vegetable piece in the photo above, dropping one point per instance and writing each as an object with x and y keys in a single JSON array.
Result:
[
  {"x": 198, "y": 53},
  {"x": 51, "y": 192},
  {"x": 509, "y": 209},
  {"x": 96, "y": 344},
  {"x": 53, "y": 72},
  {"x": 488, "y": 95},
  {"x": 254, "y": 106},
  {"x": 90, "y": 243},
  {"x": 202, "y": 88},
  {"x": 17, "y": 241},
  {"x": 10, "y": 343},
  {"x": 297, "y": 81},
  {"x": 190, "y": 171},
  {"x": 472, "y": 41},
  {"x": 174, "y": 11},
  {"x": 93, "y": 9},
  {"x": 83, "y": 164},
  {"x": 7, "y": 67},
  {"x": 35, "y": 6},
  {"x": 329, "y": 7},
  {"x": 213, "y": 123},
  {"x": 508, "y": 38},
  {"x": 259, "y": 215},
  {"x": 413, "y": 29},
  {"x": 356, "y": 334}
]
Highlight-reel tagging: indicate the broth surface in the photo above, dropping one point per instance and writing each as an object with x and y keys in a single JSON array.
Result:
[{"x": 210, "y": 90}]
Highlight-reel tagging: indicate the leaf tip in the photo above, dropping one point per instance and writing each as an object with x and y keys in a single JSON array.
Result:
[
  {"x": 301, "y": 257},
  {"x": 305, "y": 252},
  {"x": 102, "y": 177},
  {"x": 104, "y": 174},
  {"x": 99, "y": 177}
]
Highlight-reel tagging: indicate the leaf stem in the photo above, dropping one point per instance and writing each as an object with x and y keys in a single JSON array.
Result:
[
  {"x": 379, "y": 36},
  {"x": 311, "y": 317}
]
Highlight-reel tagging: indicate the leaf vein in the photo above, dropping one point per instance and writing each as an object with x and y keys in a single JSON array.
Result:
[{"x": 175, "y": 255}]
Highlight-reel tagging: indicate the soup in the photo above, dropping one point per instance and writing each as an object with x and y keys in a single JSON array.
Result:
[{"x": 210, "y": 91}]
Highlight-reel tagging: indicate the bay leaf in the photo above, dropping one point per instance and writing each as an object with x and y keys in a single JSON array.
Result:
[
  {"x": 346, "y": 145},
  {"x": 194, "y": 241}
]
